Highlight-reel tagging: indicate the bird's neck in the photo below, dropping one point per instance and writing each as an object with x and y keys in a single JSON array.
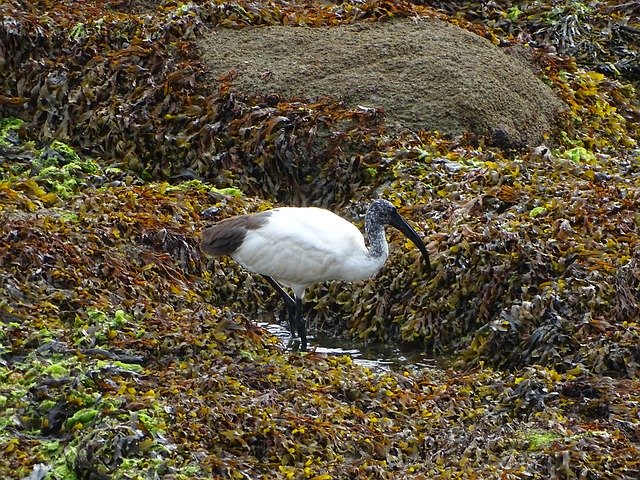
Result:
[
  {"x": 359, "y": 267},
  {"x": 378, "y": 247}
]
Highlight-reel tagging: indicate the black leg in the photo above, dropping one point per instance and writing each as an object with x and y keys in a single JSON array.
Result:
[
  {"x": 292, "y": 309},
  {"x": 290, "y": 312},
  {"x": 301, "y": 325},
  {"x": 289, "y": 309}
]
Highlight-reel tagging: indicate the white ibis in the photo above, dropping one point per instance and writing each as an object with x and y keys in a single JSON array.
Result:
[{"x": 298, "y": 247}]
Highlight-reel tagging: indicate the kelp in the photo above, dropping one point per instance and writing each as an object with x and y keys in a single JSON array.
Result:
[
  {"x": 529, "y": 252},
  {"x": 125, "y": 353},
  {"x": 160, "y": 122},
  {"x": 163, "y": 121},
  {"x": 602, "y": 35}
]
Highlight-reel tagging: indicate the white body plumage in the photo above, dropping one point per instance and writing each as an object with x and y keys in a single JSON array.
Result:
[{"x": 302, "y": 246}]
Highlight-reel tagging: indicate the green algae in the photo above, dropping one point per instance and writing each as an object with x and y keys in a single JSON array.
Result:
[
  {"x": 8, "y": 131},
  {"x": 539, "y": 440}
]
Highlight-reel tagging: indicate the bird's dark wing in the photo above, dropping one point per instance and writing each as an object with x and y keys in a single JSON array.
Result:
[{"x": 226, "y": 236}]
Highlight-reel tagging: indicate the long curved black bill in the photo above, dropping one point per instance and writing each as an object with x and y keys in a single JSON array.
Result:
[{"x": 401, "y": 224}]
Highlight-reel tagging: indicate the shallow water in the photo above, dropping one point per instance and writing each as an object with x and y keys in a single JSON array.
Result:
[{"x": 375, "y": 356}]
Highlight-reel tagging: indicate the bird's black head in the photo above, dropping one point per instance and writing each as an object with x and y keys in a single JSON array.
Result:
[{"x": 382, "y": 212}]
